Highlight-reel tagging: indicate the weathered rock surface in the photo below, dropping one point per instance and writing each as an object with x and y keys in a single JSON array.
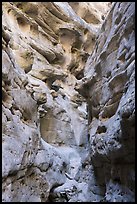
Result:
[
  {"x": 68, "y": 104},
  {"x": 109, "y": 79}
]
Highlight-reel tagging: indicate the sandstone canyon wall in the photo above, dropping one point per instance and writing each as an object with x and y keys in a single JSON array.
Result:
[{"x": 68, "y": 101}]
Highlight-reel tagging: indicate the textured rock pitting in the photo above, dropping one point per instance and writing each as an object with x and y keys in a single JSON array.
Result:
[
  {"x": 111, "y": 99},
  {"x": 68, "y": 107}
]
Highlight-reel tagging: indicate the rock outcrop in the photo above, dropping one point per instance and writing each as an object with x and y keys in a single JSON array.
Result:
[
  {"x": 68, "y": 101},
  {"x": 109, "y": 81}
]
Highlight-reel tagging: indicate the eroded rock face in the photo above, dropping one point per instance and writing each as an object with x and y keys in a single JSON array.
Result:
[
  {"x": 68, "y": 102},
  {"x": 109, "y": 78}
]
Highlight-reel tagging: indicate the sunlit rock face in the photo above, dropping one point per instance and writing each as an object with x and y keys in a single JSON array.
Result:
[{"x": 68, "y": 101}]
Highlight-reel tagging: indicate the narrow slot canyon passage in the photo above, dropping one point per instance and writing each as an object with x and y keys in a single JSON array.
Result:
[{"x": 68, "y": 101}]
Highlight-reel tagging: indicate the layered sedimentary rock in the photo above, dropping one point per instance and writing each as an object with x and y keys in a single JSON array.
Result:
[{"x": 68, "y": 101}]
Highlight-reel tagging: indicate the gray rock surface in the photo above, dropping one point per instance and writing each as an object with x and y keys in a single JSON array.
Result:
[
  {"x": 109, "y": 78},
  {"x": 68, "y": 101}
]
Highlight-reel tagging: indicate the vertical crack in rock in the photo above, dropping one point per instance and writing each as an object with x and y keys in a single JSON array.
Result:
[{"x": 68, "y": 101}]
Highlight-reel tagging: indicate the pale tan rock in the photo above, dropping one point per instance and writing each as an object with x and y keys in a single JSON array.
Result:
[{"x": 67, "y": 101}]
